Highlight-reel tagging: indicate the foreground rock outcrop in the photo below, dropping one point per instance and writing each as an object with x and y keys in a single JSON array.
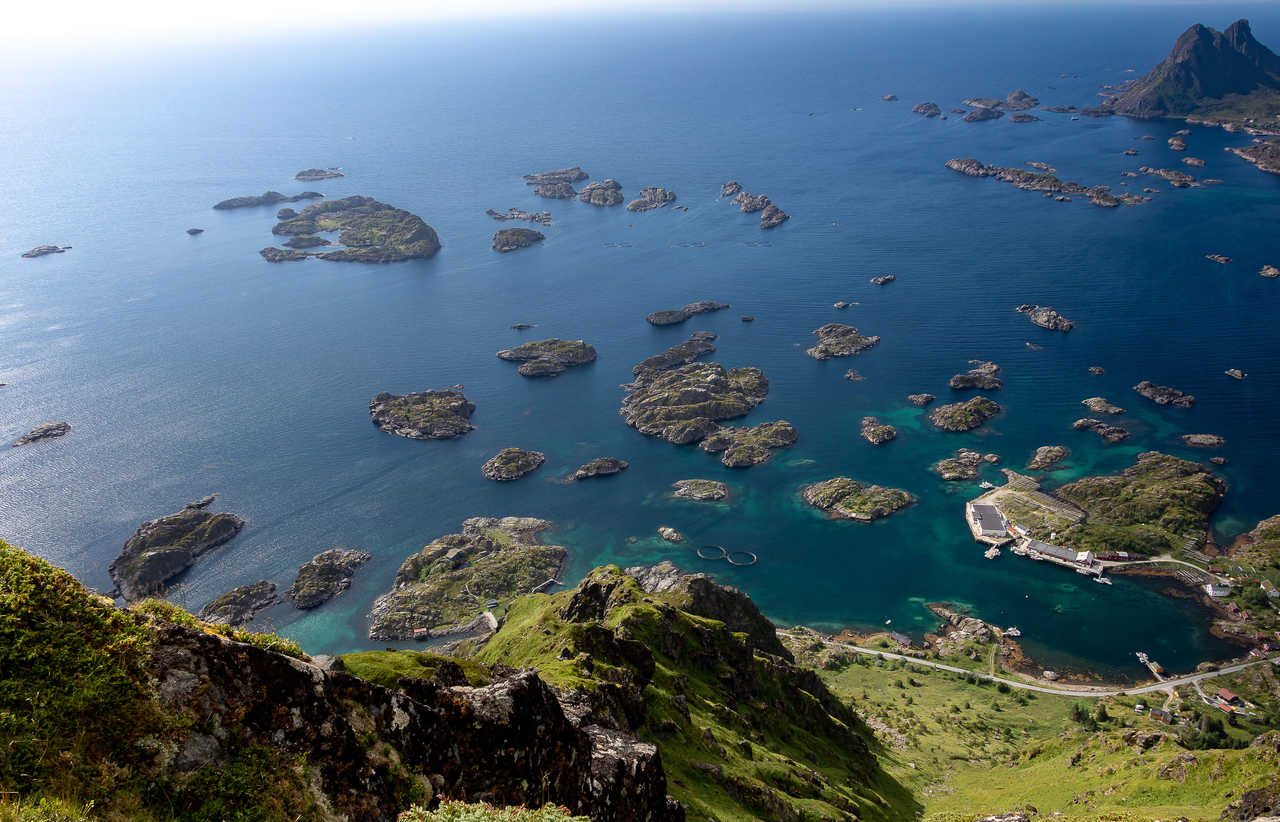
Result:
[
  {"x": 239, "y": 605},
  {"x": 164, "y": 547},
  {"x": 428, "y": 415},
  {"x": 324, "y": 576}
]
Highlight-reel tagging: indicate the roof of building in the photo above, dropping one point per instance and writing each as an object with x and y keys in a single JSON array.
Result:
[
  {"x": 989, "y": 518},
  {"x": 1227, "y": 695},
  {"x": 1052, "y": 550},
  {"x": 901, "y": 639}
]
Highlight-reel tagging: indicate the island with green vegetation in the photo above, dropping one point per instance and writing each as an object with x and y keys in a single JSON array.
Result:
[
  {"x": 745, "y": 447},
  {"x": 686, "y": 404},
  {"x": 550, "y": 357},
  {"x": 513, "y": 239},
  {"x": 845, "y": 498},
  {"x": 839, "y": 340},
  {"x": 427, "y": 415},
  {"x": 324, "y": 576},
  {"x": 511, "y": 464},
  {"x": 370, "y": 231},
  {"x": 700, "y": 490},
  {"x": 964, "y": 416}
]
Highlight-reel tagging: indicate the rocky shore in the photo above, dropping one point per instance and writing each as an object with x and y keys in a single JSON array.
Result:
[
  {"x": 1108, "y": 432},
  {"x": 964, "y": 416},
  {"x": 600, "y": 467},
  {"x": 444, "y": 589},
  {"x": 429, "y": 415},
  {"x": 511, "y": 464},
  {"x": 685, "y": 404},
  {"x": 239, "y": 605},
  {"x": 164, "y": 547},
  {"x": 324, "y": 576},
  {"x": 512, "y": 239},
  {"x": 266, "y": 198},
  {"x": 981, "y": 376},
  {"x": 846, "y": 498},
  {"x": 44, "y": 431},
  {"x": 745, "y": 447},
  {"x": 700, "y": 490},
  {"x": 838, "y": 340},
  {"x": 1164, "y": 395},
  {"x": 550, "y": 357},
  {"x": 1046, "y": 317}
]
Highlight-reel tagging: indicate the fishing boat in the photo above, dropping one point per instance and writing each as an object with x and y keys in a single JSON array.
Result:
[{"x": 1103, "y": 580}]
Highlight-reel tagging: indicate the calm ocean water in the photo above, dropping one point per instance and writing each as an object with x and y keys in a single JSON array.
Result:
[{"x": 190, "y": 365}]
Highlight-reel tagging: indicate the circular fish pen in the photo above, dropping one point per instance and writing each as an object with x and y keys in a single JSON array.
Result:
[
  {"x": 742, "y": 558},
  {"x": 712, "y": 552}
]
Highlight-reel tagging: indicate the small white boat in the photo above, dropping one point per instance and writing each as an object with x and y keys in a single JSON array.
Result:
[
  {"x": 1103, "y": 580},
  {"x": 985, "y": 485}
]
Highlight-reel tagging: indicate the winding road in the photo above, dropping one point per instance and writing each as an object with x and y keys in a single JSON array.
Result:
[{"x": 1099, "y": 691}]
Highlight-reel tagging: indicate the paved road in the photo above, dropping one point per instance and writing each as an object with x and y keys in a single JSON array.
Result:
[{"x": 1164, "y": 685}]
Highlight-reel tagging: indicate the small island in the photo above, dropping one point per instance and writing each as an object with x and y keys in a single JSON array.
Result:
[
  {"x": 651, "y": 198},
  {"x": 1109, "y": 433},
  {"x": 512, "y": 239},
  {"x": 876, "y": 432},
  {"x": 313, "y": 175},
  {"x": 698, "y": 345},
  {"x": 772, "y": 217},
  {"x": 730, "y": 188},
  {"x": 679, "y": 315},
  {"x": 550, "y": 357},
  {"x": 511, "y": 464},
  {"x": 1045, "y": 317},
  {"x": 700, "y": 490},
  {"x": 239, "y": 605},
  {"x": 371, "y": 232},
  {"x": 964, "y": 416},
  {"x": 513, "y": 213},
  {"x": 445, "y": 589},
  {"x": 1203, "y": 440},
  {"x": 45, "y": 250},
  {"x": 745, "y": 447},
  {"x": 981, "y": 376},
  {"x": 1164, "y": 395},
  {"x": 920, "y": 400},
  {"x": 572, "y": 174},
  {"x": 1047, "y": 458},
  {"x": 963, "y": 465},
  {"x": 44, "y": 431},
  {"x": 883, "y": 279},
  {"x": 1101, "y": 405},
  {"x": 600, "y": 467},
  {"x": 749, "y": 203},
  {"x": 324, "y": 576},
  {"x": 926, "y": 110},
  {"x": 839, "y": 340},
  {"x": 164, "y": 547},
  {"x": 845, "y": 498},
  {"x": 604, "y": 193},
  {"x": 266, "y": 198},
  {"x": 429, "y": 415},
  {"x": 685, "y": 404},
  {"x": 1042, "y": 182}
]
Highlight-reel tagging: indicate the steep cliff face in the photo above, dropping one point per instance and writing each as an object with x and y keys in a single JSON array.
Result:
[
  {"x": 153, "y": 712},
  {"x": 1204, "y": 66},
  {"x": 696, "y": 669}
]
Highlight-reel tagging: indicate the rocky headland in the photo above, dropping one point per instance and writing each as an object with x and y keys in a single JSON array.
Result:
[
  {"x": 964, "y": 416},
  {"x": 698, "y": 345},
  {"x": 1046, "y": 317},
  {"x": 1108, "y": 432},
  {"x": 312, "y": 175},
  {"x": 44, "y": 431},
  {"x": 981, "y": 376},
  {"x": 164, "y": 547},
  {"x": 607, "y": 192},
  {"x": 838, "y": 340},
  {"x": 1264, "y": 155},
  {"x": 324, "y": 576},
  {"x": 428, "y": 415},
  {"x": 240, "y": 605},
  {"x": 266, "y": 198},
  {"x": 371, "y": 232},
  {"x": 846, "y": 498},
  {"x": 876, "y": 432},
  {"x": 511, "y": 464},
  {"x": 745, "y": 447},
  {"x": 700, "y": 490},
  {"x": 445, "y": 588},
  {"x": 651, "y": 198},
  {"x": 600, "y": 467},
  {"x": 1164, "y": 395},
  {"x": 685, "y": 404},
  {"x": 1047, "y": 457},
  {"x": 512, "y": 239},
  {"x": 550, "y": 357}
]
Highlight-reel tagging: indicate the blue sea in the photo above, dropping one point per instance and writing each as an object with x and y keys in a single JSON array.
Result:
[{"x": 189, "y": 365}]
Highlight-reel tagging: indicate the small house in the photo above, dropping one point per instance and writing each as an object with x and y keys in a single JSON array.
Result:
[
  {"x": 1229, "y": 697},
  {"x": 1269, "y": 588},
  {"x": 1217, "y": 590},
  {"x": 421, "y": 634}
]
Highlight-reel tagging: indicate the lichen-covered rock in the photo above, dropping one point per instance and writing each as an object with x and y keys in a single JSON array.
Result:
[
  {"x": 876, "y": 432},
  {"x": 685, "y": 404},
  {"x": 745, "y": 447},
  {"x": 981, "y": 376},
  {"x": 849, "y": 499},
  {"x": 700, "y": 490},
  {"x": 600, "y": 467},
  {"x": 547, "y": 358},
  {"x": 1204, "y": 440},
  {"x": 964, "y": 416},
  {"x": 371, "y": 232},
  {"x": 1164, "y": 395},
  {"x": 1046, "y": 317},
  {"x": 164, "y": 547},
  {"x": 445, "y": 587},
  {"x": 1110, "y": 433},
  {"x": 44, "y": 431},
  {"x": 650, "y": 198},
  {"x": 839, "y": 340},
  {"x": 607, "y": 192},
  {"x": 698, "y": 345},
  {"x": 239, "y": 605},
  {"x": 920, "y": 400},
  {"x": 324, "y": 576},
  {"x": 512, "y": 239},
  {"x": 1101, "y": 405},
  {"x": 512, "y": 464},
  {"x": 429, "y": 415},
  {"x": 1047, "y": 457}
]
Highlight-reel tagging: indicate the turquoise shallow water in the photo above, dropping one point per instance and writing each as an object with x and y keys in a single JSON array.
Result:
[{"x": 190, "y": 365}]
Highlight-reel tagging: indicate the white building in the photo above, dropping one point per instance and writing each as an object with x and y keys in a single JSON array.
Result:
[{"x": 1217, "y": 589}]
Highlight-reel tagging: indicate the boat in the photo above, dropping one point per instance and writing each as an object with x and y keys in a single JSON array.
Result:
[
  {"x": 1012, "y": 631},
  {"x": 1103, "y": 580},
  {"x": 985, "y": 485}
]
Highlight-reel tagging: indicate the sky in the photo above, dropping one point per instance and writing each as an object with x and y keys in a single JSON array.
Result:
[{"x": 39, "y": 24}]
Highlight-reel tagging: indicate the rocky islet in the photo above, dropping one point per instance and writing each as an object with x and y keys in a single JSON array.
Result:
[{"x": 324, "y": 576}]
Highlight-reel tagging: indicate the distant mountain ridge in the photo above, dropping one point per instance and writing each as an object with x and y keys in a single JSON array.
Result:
[{"x": 1204, "y": 67}]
